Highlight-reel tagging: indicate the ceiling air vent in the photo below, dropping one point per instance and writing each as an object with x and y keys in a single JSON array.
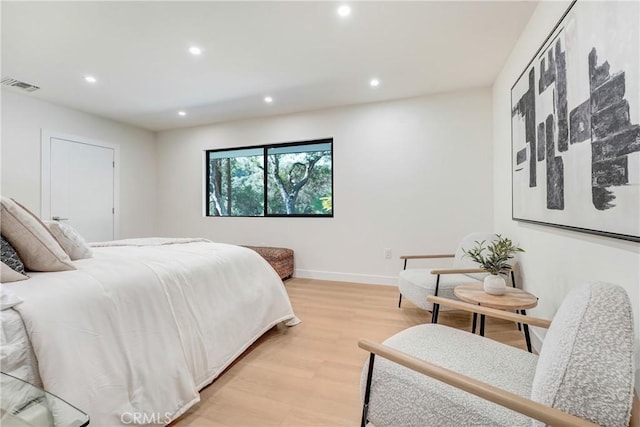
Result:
[{"x": 8, "y": 81}]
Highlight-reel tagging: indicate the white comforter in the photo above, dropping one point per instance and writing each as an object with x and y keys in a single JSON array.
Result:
[{"x": 140, "y": 329}]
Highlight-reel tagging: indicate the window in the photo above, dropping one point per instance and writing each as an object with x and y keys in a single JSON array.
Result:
[
  {"x": 236, "y": 182},
  {"x": 294, "y": 179}
]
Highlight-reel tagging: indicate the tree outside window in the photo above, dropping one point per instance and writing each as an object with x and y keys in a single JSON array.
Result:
[{"x": 297, "y": 180}]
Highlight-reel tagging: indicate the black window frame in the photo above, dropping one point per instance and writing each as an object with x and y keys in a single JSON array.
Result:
[{"x": 265, "y": 148}]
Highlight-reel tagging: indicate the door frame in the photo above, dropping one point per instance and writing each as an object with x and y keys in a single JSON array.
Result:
[{"x": 45, "y": 174}]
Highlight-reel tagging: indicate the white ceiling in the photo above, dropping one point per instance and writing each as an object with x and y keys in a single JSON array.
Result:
[{"x": 300, "y": 53}]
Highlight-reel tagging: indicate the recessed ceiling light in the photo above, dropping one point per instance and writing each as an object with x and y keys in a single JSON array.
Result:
[
  {"x": 182, "y": 113},
  {"x": 374, "y": 82},
  {"x": 268, "y": 99},
  {"x": 195, "y": 50},
  {"x": 90, "y": 79},
  {"x": 344, "y": 11}
]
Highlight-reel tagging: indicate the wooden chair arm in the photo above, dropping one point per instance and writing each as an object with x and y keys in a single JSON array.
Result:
[
  {"x": 528, "y": 407},
  {"x": 427, "y": 256},
  {"x": 635, "y": 412},
  {"x": 458, "y": 270},
  {"x": 492, "y": 312}
]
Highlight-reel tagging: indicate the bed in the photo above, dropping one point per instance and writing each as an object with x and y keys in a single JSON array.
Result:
[{"x": 141, "y": 326}]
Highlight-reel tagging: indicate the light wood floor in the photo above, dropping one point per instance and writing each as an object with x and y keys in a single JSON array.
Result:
[{"x": 309, "y": 375}]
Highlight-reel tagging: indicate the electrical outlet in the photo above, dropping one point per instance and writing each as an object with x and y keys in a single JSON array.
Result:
[{"x": 387, "y": 253}]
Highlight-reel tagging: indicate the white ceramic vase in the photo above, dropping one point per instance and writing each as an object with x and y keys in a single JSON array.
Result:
[{"x": 494, "y": 284}]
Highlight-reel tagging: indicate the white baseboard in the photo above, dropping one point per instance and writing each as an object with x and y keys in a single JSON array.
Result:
[{"x": 368, "y": 279}]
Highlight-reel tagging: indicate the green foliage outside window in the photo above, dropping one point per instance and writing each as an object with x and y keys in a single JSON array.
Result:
[{"x": 298, "y": 179}]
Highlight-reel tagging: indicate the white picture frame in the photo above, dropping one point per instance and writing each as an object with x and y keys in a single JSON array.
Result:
[{"x": 575, "y": 124}]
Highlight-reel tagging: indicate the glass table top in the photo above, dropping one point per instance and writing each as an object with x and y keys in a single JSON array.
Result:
[{"x": 25, "y": 405}]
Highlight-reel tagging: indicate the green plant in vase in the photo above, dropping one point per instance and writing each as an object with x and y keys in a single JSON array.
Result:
[{"x": 494, "y": 258}]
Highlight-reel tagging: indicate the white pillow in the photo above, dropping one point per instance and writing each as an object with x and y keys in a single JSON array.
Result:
[
  {"x": 31, "y": 239},
  {"x": 71, "y": 241},
  {"x": 8, "y": 274}
]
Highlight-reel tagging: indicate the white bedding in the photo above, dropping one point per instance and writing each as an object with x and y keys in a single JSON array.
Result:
[
  {"x": 16, "y": 355},
  {"x": 140, "y": 329}
]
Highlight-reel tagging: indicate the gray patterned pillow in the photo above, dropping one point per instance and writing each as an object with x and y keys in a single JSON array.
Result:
[{"x": 10, "y": 257}]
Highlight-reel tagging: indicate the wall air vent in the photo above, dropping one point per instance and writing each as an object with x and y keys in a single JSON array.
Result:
[{"x": 8, "y": 81}]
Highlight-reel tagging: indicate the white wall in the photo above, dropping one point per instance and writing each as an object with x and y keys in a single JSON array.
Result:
[
  {"x": 556, "y": 260},
  {"x": 411, "y": 175},
  {"x": 23, "y": 117}
]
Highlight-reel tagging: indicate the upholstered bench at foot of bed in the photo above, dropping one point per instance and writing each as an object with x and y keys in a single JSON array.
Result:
[{"x": 281, "y": 259}]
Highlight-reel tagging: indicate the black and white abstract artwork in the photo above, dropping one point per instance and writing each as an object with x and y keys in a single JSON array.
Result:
[{"x": 575, "y": 124}]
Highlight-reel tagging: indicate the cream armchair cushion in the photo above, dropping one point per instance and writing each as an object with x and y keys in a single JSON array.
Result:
[
  {"x": 416, "y": 284},
  {"x": 586, "y": 362},
  {"x": 401, "y": 397}
]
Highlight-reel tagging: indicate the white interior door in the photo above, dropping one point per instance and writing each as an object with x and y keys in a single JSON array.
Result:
[{"x": 82, "y": 182}]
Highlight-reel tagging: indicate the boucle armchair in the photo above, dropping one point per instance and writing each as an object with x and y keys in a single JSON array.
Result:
[
  {"x": 433, "y": 375},
  {"x": 416, "y": 284}
]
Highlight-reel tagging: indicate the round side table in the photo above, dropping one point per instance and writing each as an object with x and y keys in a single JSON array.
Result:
[{"x": 514, "y": 299}]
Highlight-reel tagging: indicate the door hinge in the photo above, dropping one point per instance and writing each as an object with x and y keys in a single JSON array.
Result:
[
  {"x": 113, "y": 164},
  {"x": 113, "y": 210}
]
